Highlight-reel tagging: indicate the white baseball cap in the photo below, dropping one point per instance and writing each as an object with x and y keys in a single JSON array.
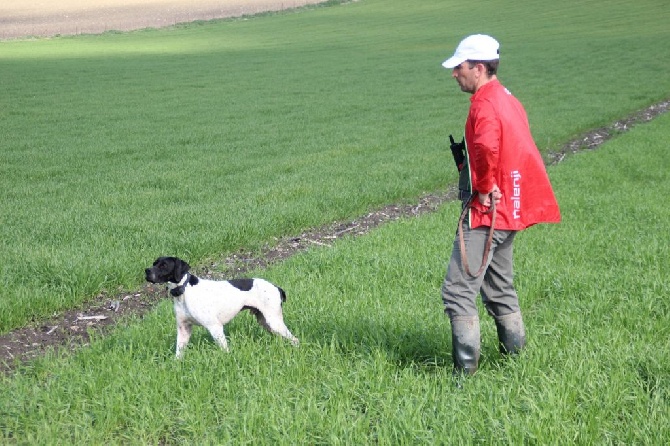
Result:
[{"x": 474, "y": 47}]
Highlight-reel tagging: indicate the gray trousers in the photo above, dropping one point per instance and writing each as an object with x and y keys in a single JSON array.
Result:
[{"x": 459, "y": 290}]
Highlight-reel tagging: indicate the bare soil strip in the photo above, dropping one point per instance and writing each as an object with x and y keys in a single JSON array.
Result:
[
  {"x": 73, "y": 328},
  {"x": 35, "y": 18}
]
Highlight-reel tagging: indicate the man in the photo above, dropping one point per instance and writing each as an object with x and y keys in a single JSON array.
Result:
[{"x": 505, "y": 189}]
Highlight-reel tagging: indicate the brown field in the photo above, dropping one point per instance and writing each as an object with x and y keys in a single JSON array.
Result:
[{"x": 43, "y": 18}]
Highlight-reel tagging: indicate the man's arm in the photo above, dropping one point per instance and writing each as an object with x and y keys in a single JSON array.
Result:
[{"x": 485, "y": 150}]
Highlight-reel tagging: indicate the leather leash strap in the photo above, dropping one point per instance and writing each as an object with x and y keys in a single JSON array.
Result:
[{"x": 489, "y": 240}]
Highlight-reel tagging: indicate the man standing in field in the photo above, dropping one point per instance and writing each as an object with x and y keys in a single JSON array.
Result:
[{"x": 504, "y": 188}]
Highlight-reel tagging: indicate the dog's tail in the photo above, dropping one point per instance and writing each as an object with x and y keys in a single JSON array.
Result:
[{"x": 282, "y": 293}]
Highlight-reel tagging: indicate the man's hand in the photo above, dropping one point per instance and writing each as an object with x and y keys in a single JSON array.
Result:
[{"x": 485, "y": 199}]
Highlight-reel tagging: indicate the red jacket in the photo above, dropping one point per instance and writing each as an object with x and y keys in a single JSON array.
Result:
[{"x": 501, "y": 151}]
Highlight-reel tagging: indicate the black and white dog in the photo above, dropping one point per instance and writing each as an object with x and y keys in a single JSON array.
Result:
[{"x": 213, "y": 304}]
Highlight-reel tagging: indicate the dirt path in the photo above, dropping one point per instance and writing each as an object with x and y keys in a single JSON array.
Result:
[{"x": 43, "y": 18}]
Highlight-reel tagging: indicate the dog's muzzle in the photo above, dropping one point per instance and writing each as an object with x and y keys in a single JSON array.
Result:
[{"x": 150, "y": 275}]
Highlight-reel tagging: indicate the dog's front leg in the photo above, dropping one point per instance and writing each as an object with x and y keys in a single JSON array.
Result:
[
  {"x": 219, "y": 336},
  {"x": 183, "y": 336}
]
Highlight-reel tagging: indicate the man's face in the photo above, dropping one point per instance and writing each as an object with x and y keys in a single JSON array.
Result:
[{"x": 466, "y": 76}]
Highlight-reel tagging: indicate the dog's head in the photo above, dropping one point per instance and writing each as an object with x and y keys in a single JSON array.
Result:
[{"x": 167, "y": 269}]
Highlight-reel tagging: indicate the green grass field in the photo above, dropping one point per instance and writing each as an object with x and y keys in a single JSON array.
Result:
[
  {"x": 200, "y": 140},
  {"x": 374, "y": 363}
]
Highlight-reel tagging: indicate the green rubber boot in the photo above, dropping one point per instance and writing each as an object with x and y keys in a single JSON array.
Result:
[
  {"x": 511, "y": 333},
  {"x": 465, "y": 342}
]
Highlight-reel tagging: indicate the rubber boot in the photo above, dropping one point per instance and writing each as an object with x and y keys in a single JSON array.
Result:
[
  {"x": 511, "y": 333},
  {"x": 465, "y": 340}
]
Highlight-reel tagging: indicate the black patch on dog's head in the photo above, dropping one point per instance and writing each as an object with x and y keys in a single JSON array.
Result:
[
  {"x": 242, "y": 284},
  {"x": 168, "y": 269}
]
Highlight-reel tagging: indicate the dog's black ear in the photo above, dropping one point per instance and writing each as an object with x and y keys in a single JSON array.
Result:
[{"x": 180, "y": 268}]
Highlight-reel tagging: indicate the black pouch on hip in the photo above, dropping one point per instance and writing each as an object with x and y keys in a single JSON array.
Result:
[{"x": 458, "y": 152}]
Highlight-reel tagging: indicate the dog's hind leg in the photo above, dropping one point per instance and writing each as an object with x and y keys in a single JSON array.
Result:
[
  {"x": 275, "y": 325},
  {"x": 219, "y": 336}
]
